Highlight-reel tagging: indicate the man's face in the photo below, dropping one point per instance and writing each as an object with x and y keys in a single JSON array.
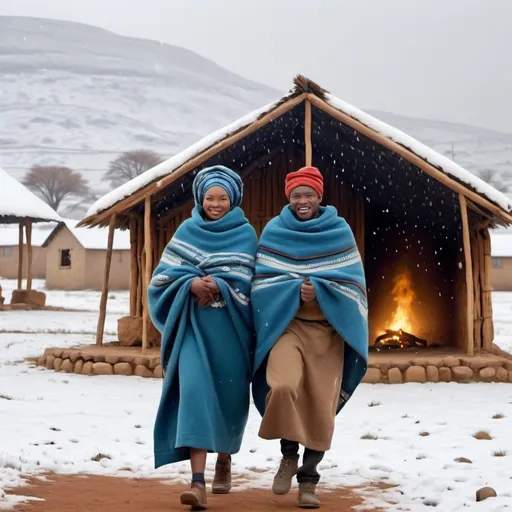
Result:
[{"x": 305, "y": 202}]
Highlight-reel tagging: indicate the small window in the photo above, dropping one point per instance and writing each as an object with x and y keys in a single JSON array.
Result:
[
  {"x": 65, "y": 258},
  {"x": 6, "y": 252},
  {"x": 497, "y": 263}
]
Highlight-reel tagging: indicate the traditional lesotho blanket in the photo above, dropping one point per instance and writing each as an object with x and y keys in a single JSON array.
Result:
[
  {"x": 205, "y": 352},
  {"x": 323, "y": 249}
]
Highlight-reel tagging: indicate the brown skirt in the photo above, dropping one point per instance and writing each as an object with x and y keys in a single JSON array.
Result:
[{"x": 304, "y": 373}]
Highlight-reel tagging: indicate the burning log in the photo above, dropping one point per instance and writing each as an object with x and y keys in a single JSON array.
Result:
[{"x": 396, "y": 340}]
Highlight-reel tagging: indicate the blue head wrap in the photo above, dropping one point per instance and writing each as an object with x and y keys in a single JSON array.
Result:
[{"x": 218, "y": 176}]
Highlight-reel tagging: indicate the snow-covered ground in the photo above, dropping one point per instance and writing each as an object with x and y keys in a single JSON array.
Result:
[{"x": 60, "y": 422}]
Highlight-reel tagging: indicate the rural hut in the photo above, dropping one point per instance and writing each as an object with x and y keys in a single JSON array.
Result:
[
  {"x": 420, "y": 220},
  {"x": 18, "y": 205}
]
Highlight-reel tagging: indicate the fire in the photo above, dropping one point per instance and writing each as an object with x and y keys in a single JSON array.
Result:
[{"x": 403, "y": 297}]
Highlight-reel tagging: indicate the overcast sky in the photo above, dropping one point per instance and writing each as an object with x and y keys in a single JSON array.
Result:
[{"x": 441, "y": 59}]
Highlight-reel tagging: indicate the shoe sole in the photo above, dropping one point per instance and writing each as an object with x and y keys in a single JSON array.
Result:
[
  {"x": 192, "y": 501},
  {"x": 309, "y": 506},
  {"x": 221, "y": 490}
]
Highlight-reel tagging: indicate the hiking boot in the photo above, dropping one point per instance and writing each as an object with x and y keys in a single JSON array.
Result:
[
  {"x": 196, "y": 497},
  {"x": 222, "y": 479},
  {"x": 307, "y": 496},
  {"x": 283, "y": 479}
]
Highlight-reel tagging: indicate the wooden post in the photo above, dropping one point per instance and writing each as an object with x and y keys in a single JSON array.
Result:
[
  {"x": 28, "y": 230},
  {"x": 307, "y": 133},
  {"x": 133, "y": 266},
  {"x": 470, "y": 306},
  {"x": 488, "y": 326},
  {"x": 140, "y": 272},
  {"x": 20, "y": 254},
  {"x": 148, "y": 260},
  {"x": 106, "y": 274}
]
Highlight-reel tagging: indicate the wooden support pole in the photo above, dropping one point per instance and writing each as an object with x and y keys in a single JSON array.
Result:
[
  {"x": 133, "y": 266},
  {"x": 488, "y": 325},
  {"x": 470, "y": 305},
  {"x": 148, "y": 260},
  {"x": 307, "y": 133},
  {"x": 28, "y": 231},
  {"x": 106, "y": 274},
  {"x": 20, "y": 255},
  {"x": 140, "y": 272}
]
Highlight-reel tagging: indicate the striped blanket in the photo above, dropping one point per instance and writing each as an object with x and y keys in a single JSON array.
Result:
[{"x": 323, "y": 249}]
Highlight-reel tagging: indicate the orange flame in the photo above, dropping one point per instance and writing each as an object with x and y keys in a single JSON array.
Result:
[{"x": 403, "y": 297}]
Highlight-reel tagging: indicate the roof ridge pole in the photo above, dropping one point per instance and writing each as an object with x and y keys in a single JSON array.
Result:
[
  {"x": 307, "y": 133},
  {"x": 20, "y": 254},
  {"x": 470, "y": 303},
  {"x": 106, "y": 276}
]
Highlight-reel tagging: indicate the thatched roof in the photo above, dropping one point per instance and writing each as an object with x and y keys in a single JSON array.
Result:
[{"x": 386, "y": 150}]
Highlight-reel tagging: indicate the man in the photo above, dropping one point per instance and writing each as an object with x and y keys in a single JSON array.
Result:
[{"x": 310, "y": 312}]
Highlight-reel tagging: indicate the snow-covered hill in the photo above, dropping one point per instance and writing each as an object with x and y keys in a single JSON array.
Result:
[{"x": 78, "y": 95}]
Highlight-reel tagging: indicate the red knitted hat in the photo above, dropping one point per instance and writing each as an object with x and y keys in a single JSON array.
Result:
[{"x": 307, "y": 176}]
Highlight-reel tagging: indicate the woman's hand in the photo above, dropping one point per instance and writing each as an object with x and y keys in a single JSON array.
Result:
[
  {"x": 307, "y": 291},
  {"x": 203, "y": 292},
  {"x": 212, "y": 284}
]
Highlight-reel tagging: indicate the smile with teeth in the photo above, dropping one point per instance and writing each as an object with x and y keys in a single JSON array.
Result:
[{"x": 304, "y": 209}]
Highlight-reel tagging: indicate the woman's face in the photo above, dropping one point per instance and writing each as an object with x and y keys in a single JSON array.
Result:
[{"x": 216, "y": 203}]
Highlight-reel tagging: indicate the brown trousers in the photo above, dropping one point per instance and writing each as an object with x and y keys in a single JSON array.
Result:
[{"x": 304, "y": 373}]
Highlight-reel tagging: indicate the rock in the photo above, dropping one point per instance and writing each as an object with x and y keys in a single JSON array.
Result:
[
  {"x": 159, "y": 374},
  {"x": 78, "y": 366},
  {"x": 402, "y": 366},
  {"x": 87, "y": 368},
  {"x": 154, "y": 336},
  {"x": 462, "y": 374},
  {"x": 112, "y": 359},
  {"x": 87, "y": 357},
  {"x": 57, "y": 364},
  {"x": 432, "y": 373},
  {"x": 465, "y": 361},
  {"x": 143, "y": 371},
  {"x": 502, "y": 375},
  {"x": 100, "y": 358},
  {"x": 153, "y": 362},
  {"x": 74, "y": 356},
  {"x": 49, "y": 362},
  {"x": 415, "y": 374},
  {"x": 494, "y": 363},
  {"x": 508, "y": 366},
  {"x": 123, "y": 369},
  {"x": 67, "y": 366},
  {"x": 372, "y": 376},
  {"x": 445, "y": 374},
  {"x": 395, "y": 376},
  {"x": 129, "y": 331},
  {"x": 126, "y": 359},
  {"x": 477, "y": 363},
  {"x": 102, "y": 369},
  {"x": 384, "y": 367},
  {"x": 420, "y": 361},
  {"x": 451, "y": 361},
  {"x": 41, "y": 361},
  {"x": 58, "y": 352},
  {"x": 487, "y": 374},
  {"x": 484, "y": 493},
  {"x": 31, "y": 297},
  {"x": 65, "y": 354},
  {"x": 510, "y": 377},
  {"x": 140, "y": 361},
  {"x": 463, "y": 460}
]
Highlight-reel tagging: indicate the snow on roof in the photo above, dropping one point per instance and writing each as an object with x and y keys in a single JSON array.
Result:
[
  {"x": 97, "y": 238},
  {"x": 501, "y": 244},
  {"x": 437, "y": 160},
  {"x": 9, "y": 234},
  {"x": 16, "y": 200}
]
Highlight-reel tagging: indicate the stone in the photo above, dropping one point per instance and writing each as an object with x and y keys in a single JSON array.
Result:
[
  {"x": 142, "y": 371},
  {"x": 87, "y": 368},
  {"x": 102, "y": 368},
  {"x": 402, "y": 366},
  {"x": 487, "y": 374},
  {"x": 140, "y": 361},
  {"x": 463, "y": 460},
  {"x": 87, "y": 357},
  {"x": 432, "y": 373},
  {"x": 74, "y": 356},
  {"x": 508, "y": 366},
  {"x": 494, "y": 363},
  {"x": 126, "y": 359},
  {"x": 451, "y": 361},
  {"x": 510, "y": 377},
  {"x": 123, "y": 369},
  {"x": 41, "y": 361},
  {"x": 58, "y": 352},
  {"x": 384, "y": 368},
  {"x": 395, "y": 376},
  {"x": 78, "y": 366},
  {"x": 420, "y": 361},
  {"x": 415, "y": 374},
  {"x": 153, "y": 362},
  {"x": 372, "y": 376},
  {"x": 485, "y": 493},
  {"x": 49, "y": 362},
  {"x": 466, "y": 361},
  {"x": 57, "y": 364},
  {"x": 462, "y": 374},
  {"x": 67, "y": 366},
  {"x": 65, "y": 354},
  {"x": 112, "y": 359},
  {"x": 502, "y": 375},
  {"x": 445, "y": 374},
  {"x": 100, "y": 358},
  {"x": 31, "y": 297},
  {"x": 159, "y": 374},
  {"x": 154, "y": 336},
  {"x": 129, "y": 331}
]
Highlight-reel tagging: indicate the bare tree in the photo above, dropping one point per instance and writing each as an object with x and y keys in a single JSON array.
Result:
[
  {"x": 130, "y": 164},
  {"x": 55, "y": 183},
  {"x": 496, "y": 179}
]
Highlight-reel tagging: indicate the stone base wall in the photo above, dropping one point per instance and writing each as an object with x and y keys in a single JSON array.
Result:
[
  {"x": 85, "y": 363},
  {"x": 484, "y": 368}
]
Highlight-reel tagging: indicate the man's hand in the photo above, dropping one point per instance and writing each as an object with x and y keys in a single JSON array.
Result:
[
  {"x": 203, "y": 292},
  {"x": 307, "y": 291}
]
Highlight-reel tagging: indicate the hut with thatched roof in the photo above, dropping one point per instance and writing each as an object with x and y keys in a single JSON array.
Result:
[
  {"x": 18, "y": 205},
  {"x": 420, "y": 220}
]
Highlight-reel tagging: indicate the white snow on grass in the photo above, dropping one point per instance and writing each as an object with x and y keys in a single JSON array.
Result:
[{"x": 61, "y": 422}]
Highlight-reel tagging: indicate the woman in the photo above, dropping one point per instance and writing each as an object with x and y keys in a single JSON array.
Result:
[{"x": 199, "y": 301}]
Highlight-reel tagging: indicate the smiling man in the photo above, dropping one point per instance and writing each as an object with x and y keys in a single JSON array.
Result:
[{"x": 310, "y": 313}]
